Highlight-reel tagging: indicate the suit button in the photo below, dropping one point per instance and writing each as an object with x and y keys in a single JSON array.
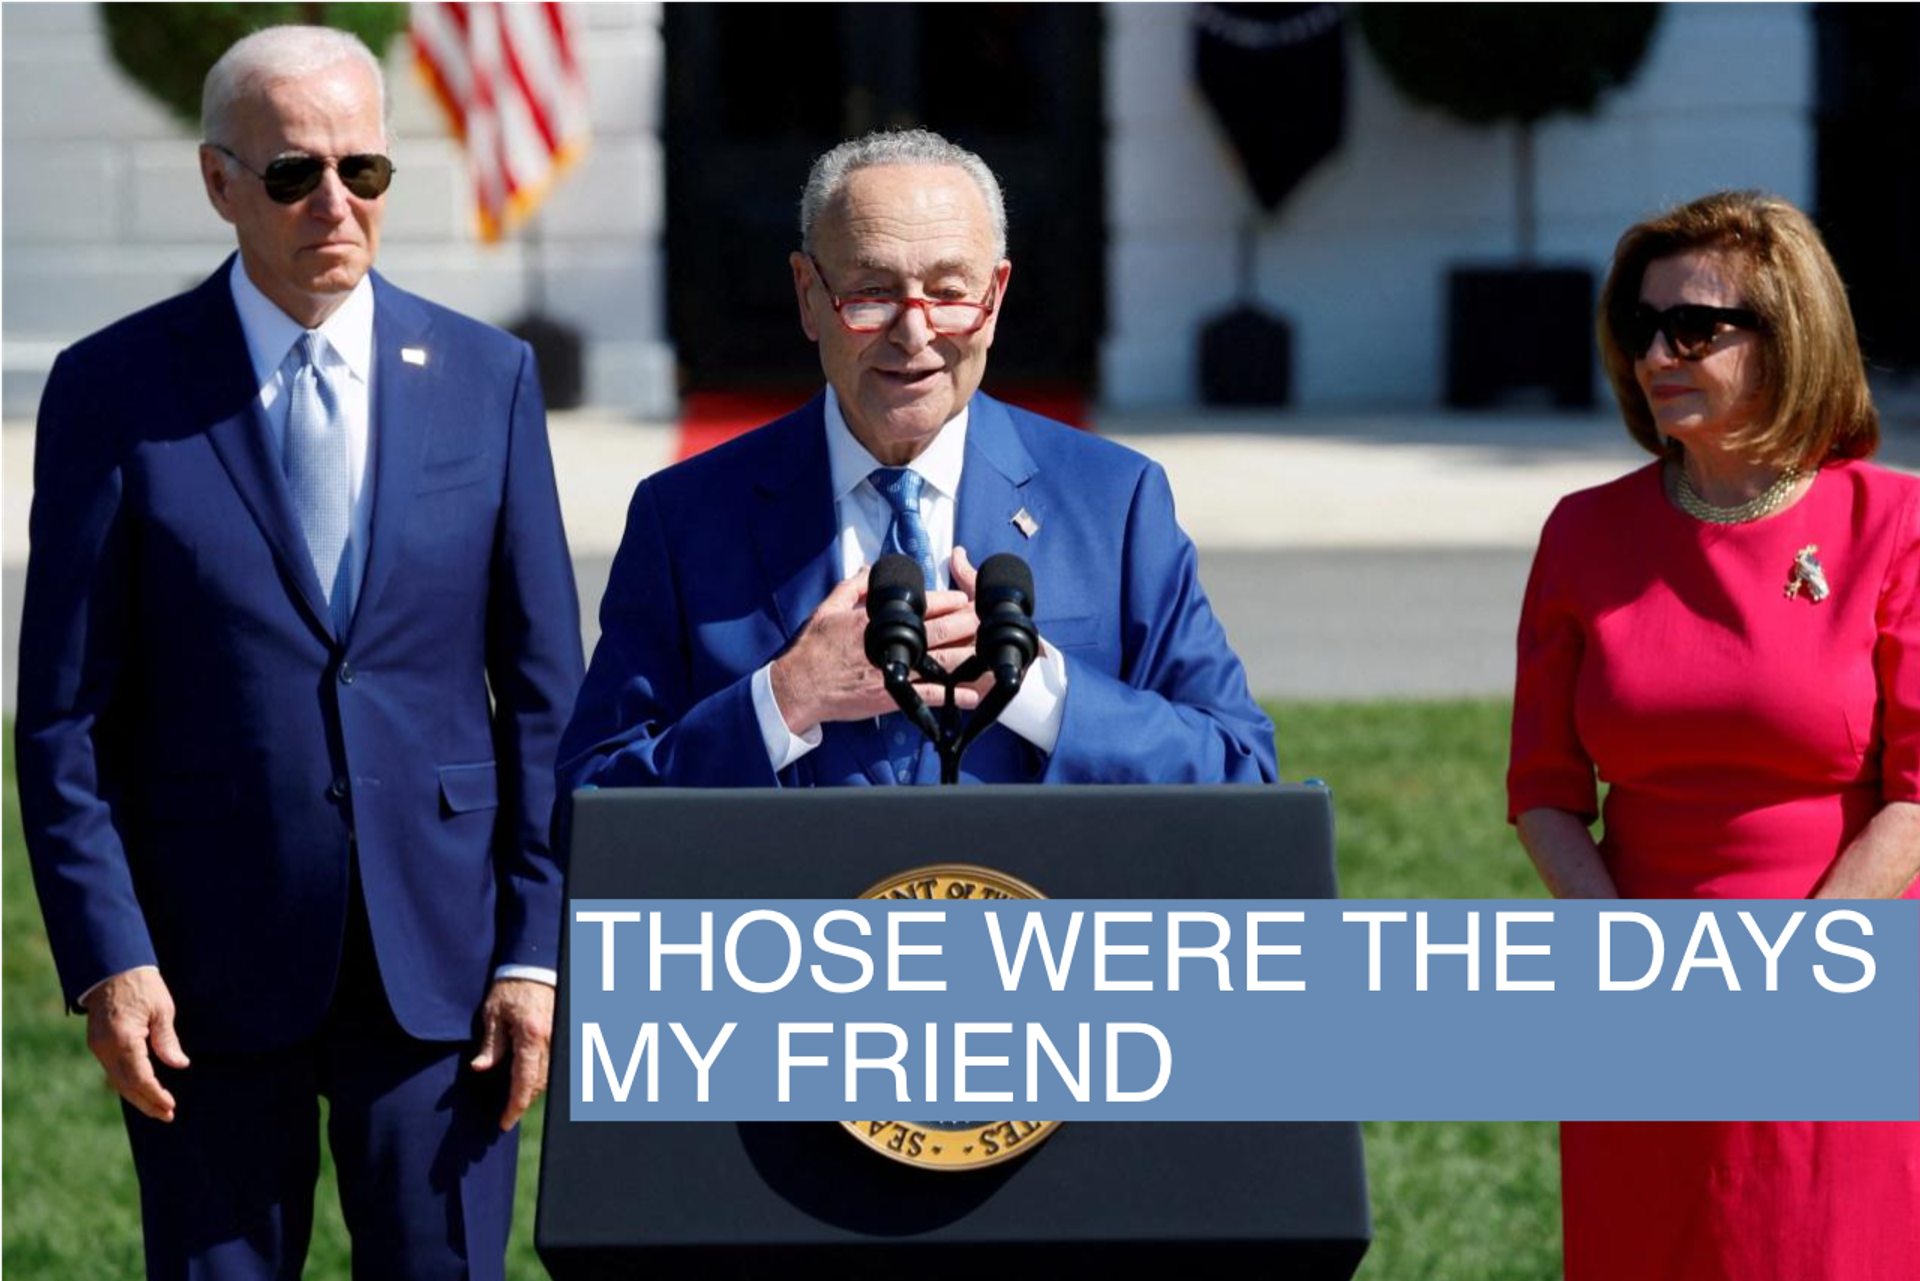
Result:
[
  {"x": 346, "y": 673},
  {"x": 337, "y": 790}
]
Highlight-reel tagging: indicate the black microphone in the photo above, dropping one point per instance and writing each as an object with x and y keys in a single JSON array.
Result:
[
  {"x": 896, "y": 625},
  {"x": 1004, "y": 644},
  {"x": 1003, "y": 598}
]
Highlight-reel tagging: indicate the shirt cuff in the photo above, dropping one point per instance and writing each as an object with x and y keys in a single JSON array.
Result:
[
  {"x": 1037, "y": 710},
  {"x": 88, "y": 994},
  {"x": 784, "y": 747},
  {"x": 536, "y": 973}
]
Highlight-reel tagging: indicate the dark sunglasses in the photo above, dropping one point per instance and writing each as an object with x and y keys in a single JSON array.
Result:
[
  {"x": 1690, "y": 328},
  {"x": 291, "y": 178}
]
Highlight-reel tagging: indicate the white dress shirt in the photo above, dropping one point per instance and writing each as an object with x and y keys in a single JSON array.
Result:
[{"x": 864, "y": 517}]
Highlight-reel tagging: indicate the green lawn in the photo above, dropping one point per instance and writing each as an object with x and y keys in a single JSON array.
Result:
[
  {"x": 1420, "y": 813},
  {"x": 1419, "y": 802}
]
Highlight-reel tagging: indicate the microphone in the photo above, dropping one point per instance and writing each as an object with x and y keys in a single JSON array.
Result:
[
  {"x": 1004, "y": 644},
  {"x": 896, "y": 639},
  {"x": 896, "y": 636},
  {"x": 1003, "y": 598}
]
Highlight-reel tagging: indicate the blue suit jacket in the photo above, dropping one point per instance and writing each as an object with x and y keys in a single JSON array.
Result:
[
  {"x": 195, "y": 744},
  {"x": 727, "y": 554}
]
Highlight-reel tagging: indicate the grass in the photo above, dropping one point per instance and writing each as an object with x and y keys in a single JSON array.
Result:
[
  {"x": 72, "y": 1206},
  {"x": 1420, "y": 812},
  {"x": 1420, "y": 809}
]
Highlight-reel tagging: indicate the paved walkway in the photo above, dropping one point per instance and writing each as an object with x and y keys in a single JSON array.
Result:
[
  {"x": 1242, "y": 482},
  {"x": 1349, "y": 556}
]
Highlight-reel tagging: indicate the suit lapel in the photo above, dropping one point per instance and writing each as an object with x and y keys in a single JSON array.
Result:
[
  {"x": 795, "y": 533},
  {"x": 796, "y": 536},
  {"x": 993, "y": 485},
  {"x": 401, "y": 399},
  {"x": 227, "y": 397}
]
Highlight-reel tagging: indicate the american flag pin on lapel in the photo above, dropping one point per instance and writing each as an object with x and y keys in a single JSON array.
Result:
[
  {"x": 414, "y": 355},
  {"x": 1024, "y": 522}
]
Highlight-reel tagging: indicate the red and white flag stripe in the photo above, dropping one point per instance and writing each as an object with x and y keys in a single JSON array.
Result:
[{"x": 509, "y": 78}]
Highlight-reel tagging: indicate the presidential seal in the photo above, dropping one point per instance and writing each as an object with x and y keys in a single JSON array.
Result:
[{"x": 951, "y": 1145}]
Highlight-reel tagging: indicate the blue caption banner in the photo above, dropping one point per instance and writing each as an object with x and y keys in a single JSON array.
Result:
[{"x": 1245, "y": 1010}]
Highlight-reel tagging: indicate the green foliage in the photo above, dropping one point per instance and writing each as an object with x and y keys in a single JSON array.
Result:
[
  {"x": 1484, "y": 63},
  {"x": 1420, "y": 814},
  {"x": 168, "y": 48}
]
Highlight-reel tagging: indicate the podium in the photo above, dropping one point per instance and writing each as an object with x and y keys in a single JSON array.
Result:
[{"x": 722, "y": 1199}]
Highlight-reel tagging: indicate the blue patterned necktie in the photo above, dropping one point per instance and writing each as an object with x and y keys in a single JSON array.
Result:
[
  {"x": 315, "y": 458},
  {"x": 901, "y": 486}
]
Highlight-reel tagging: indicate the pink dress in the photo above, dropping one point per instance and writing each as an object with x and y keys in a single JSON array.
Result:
[{"x": 1747, "y": 737}]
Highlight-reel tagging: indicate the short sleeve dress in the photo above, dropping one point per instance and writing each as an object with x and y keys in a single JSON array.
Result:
[{"x": 1746, "y": 735}]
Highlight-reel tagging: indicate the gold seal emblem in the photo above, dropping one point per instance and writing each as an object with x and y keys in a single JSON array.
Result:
[{"x": 951, "y": 1145}]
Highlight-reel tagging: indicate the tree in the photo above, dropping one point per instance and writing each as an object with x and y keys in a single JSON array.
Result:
[
  {"x": 1487, "y": 63},
  {"x": 168, "y": 48}
]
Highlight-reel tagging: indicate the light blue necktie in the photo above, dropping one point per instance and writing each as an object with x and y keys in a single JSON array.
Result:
[
  {"x": 901, "y": 486},
  {"x": 315, "y": 458}
]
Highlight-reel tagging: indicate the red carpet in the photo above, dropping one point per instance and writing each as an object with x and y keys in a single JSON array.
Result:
[{"x": 709, "y": 418}]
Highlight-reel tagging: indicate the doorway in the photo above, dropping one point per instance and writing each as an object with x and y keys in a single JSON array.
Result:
[{"x": 756, "y": 91}]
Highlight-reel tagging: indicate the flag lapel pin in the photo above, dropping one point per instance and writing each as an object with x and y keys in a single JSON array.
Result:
[
  {"x": 414, "y": 355},
  {"x": 1024, "y": 522}
]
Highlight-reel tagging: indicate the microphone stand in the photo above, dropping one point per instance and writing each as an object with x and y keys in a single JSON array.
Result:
[
  {"x": 943, "y": 727},
  {"x": 891, "y": 638},
  {"x": 898, "y": 679}
]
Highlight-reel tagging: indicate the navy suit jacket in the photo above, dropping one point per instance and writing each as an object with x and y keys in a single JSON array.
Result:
[
  {"x": 196, "y": 745},
  {"x": 727, "y": 554}
]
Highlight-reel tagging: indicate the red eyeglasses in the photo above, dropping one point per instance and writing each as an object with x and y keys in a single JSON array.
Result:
[{"x": 870, "y": 315}]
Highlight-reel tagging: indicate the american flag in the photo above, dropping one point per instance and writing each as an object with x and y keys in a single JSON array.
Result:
[{"x": 509, "y": 78}]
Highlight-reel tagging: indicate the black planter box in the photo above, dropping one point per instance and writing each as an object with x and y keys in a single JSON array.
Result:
[
  {"x": 1519, "y": 329},
  {"x": 558, "y": 352},
  {"x": 1246, "y": 358}
]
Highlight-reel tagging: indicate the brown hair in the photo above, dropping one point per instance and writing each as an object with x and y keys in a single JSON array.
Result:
[{"x": 1813, "y": 382}]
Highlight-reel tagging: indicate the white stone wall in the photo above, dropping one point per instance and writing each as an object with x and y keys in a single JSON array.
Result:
[
  {"x": 104, "y": 211},
  {"x": 1357, "y": 256}
]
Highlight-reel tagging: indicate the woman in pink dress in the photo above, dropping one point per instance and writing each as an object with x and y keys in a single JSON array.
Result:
[{"x": 1729, "y": 637}]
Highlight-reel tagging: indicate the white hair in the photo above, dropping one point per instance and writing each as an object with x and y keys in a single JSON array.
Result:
[
  {"x": 272, "y": 54},
  {"x": 896, "y": 147}
]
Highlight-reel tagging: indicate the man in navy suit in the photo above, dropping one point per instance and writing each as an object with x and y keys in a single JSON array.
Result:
[
  {"x": 731, "y": 648},
  {"x": 300, "y": 635}
]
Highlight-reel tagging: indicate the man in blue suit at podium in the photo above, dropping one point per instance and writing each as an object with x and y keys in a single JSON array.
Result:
[
  {"x": 731, "y": 649},
  {"x": 299, "y": 639}
]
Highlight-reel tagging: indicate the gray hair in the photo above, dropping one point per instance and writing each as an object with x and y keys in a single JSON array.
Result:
[
  {"x": 272, "y": 54},
  {"x": 896, "y": 147}
]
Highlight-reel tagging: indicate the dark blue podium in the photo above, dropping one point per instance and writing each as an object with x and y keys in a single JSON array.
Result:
[{"x": 754, "y": 1199}]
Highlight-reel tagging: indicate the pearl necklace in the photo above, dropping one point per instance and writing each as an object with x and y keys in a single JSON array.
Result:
[{"x": 1764, "y": 504}]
